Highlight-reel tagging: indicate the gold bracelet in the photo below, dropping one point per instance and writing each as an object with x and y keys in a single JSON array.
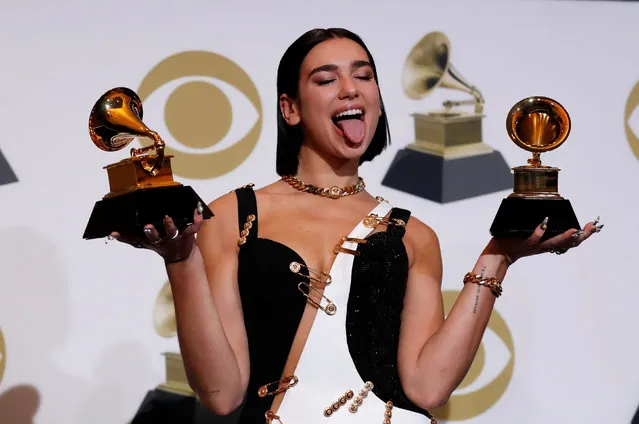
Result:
[{"x": 492, "y": 283}]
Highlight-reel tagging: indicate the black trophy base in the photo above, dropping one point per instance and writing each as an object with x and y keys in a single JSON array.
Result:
[
  {"x": 446, "y": 180},
  {"x": 162, "y": 407},
  {"x": 519, "y": 217},
  {"x": 7, "y": 175},
  {"x": 129, "y": 213}
]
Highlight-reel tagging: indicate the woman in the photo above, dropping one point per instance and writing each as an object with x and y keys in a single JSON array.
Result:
[{"x": 311, "y": 298}]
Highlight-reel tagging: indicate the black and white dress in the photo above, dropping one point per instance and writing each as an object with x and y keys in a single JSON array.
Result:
[{"x": 347, "y": 372}]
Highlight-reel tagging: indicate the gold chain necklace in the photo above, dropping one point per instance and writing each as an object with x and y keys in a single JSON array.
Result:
[{"x": 332, "y": 192}]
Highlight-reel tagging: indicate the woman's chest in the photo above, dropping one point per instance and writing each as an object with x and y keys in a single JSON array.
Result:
[{"x": 314, "y": 235}]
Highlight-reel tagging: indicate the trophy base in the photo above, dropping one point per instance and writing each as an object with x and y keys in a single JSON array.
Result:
[
  {"x": 7, "y": 175},
  {"x": 176, "y": 381},
  {"x": 520, "y": 216},
  {"x": 635, "y": 419},
  {"x": 434, "y": 177},
  {"x": 129, "y": 213},
  {"x": 160, "y": 407},
  {"x": 173, "y": 402}
]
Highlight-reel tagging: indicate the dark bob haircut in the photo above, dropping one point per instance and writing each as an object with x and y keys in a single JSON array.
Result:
[{"x": 289, "y": 138}]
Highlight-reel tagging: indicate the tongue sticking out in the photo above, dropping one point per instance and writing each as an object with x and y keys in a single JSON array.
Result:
[{"x": 353, "y": 129}]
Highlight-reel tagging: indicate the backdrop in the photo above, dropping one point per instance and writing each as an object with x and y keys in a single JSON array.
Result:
[{"x": 79, "y": 340}]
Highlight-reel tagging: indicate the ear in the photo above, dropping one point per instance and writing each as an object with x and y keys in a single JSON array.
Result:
[{"x": 289, "y": 110}]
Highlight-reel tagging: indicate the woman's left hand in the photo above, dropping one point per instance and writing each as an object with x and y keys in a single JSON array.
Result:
[{"x": 516, "y": 248}]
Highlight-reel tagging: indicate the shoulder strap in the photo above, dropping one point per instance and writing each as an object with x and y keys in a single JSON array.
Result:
[
  {"x": 247, "y": 212},
  {"x": 398, "y": 213}
]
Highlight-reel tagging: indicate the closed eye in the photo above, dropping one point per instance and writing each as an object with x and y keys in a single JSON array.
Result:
[{"x": 362, "y": 78}]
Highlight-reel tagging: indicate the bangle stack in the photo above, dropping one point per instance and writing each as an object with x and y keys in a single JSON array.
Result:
[{"x": 492, "y": 283}]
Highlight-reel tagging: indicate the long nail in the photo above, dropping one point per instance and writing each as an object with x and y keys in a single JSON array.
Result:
[
  {"x": 596, "y": 221},
  {"x": 577, "y": 234},
  {"x": 544, "y": 224},
  {"x": 598, "y": 228},
  {"x": 200, "y": 208}
]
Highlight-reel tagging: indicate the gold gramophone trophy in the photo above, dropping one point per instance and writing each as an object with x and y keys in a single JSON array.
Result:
[
  {"x": 536, "y": 124},
  {"x": 142, "y": 189},
  {"x": 448, "y": 160}
]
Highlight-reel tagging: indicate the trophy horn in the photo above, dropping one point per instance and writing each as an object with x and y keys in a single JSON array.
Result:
[
  {"x": 538, "y": 124},
  {"x": 116, "y": 119},
  {"x": 164, "y": 313},
  {"x": 428, "y": 66}
]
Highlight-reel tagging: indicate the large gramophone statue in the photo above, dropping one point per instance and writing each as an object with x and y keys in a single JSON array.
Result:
[
  {"x": 142, "y": 188},
  {"x": 536, "y": 124},
  {"x": 448, "y": 160}
]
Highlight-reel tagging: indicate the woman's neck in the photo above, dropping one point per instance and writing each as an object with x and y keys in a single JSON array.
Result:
[{"x": 325, "y": 171}]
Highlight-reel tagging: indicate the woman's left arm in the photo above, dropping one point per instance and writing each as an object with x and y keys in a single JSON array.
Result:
[{"x": 435, "y": 353}]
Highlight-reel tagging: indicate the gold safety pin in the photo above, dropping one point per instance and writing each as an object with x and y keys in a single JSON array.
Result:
[
  {"x": 373, "y": 220},
  {"x": 330, "y": 307},
  {"x": 296, "y": 267},
  {"x": 270, "y": 416},
  {"x": 287, "y": 381},
  {"x": 339, "y": 248}
]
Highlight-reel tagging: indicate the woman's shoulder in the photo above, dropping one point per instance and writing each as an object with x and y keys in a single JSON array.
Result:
[
  {"x": 420, "y": 238},
  {"x": 419, "y": 230},
  {"x": 225, "y": 221},
  {"x": 416, "y": 229},
  {"x": 227, "y": 202},
  {"x": 225, "y": 207}
]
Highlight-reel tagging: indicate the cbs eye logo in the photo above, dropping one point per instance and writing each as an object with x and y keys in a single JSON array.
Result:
[
  {"x": 632, "y": 111},
  {"x": 3, "y": 355},
  {"x": 207, "y": 100},
  {"x": 489, "y": 374}
]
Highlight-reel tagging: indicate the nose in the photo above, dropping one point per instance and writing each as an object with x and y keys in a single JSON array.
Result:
[{"x": 349, "y": 90}]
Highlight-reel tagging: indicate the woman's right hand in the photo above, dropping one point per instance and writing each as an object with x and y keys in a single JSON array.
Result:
[{"x": 176, "y": 246}]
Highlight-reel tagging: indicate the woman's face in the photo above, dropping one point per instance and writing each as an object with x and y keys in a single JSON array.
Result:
[{"x": 338, "y": 104}]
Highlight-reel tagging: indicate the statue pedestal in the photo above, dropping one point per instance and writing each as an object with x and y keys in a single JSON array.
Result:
[
  {"x": 448, "y": 160},
  {"x": 173, "y": 401}
]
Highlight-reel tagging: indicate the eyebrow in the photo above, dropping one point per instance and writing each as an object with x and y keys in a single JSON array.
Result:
[{"x": 356, "y": 64}]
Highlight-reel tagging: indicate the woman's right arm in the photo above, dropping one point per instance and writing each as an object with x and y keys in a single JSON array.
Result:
[{"x": 210, "y": 323}]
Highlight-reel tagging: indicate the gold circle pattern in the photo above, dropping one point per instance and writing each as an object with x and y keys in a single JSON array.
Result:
[
  {"x": 631, "y": 104},
  {"x": 204, "y": 63}
]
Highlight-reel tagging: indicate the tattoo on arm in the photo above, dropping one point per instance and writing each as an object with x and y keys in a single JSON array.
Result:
[
  {"x": 476, "y": 301},
  {"x": 483, "y": 270}
]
